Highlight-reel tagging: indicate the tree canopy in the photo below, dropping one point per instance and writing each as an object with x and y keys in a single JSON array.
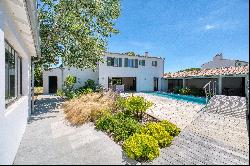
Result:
[
  {"x": 190, "y": 69},
  {"x": 76, "y": 32}
]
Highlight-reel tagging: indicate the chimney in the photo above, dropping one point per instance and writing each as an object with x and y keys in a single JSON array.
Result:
[{"x": 146, "y": 54}]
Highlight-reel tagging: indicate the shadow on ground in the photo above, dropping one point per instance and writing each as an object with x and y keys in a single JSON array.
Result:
[{"x": 45, "y": 105}]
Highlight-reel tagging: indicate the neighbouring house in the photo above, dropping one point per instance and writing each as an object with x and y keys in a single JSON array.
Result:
[
  {"x": 218, "y": 62},
  {"x": 230, "y": 81},
  {"x": 118, "y": 71},
  {"x": 19, "y": 41}
]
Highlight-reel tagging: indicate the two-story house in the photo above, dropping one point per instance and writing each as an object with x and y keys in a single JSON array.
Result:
[{"x": 130, "y": 73}]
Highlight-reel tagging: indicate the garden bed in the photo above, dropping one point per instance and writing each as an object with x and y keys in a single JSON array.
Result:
[{"x": 125, "y": 121}]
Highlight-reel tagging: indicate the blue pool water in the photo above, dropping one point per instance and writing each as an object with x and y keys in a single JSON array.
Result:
[{"x": 188, "y": 98}]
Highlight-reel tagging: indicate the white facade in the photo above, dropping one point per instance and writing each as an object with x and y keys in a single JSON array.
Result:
[
  {"x": 219, "y": 62},
  {"x": 81, "y": 75},
  {"x": 15, "y": 28},
  {"x": 144, "y": 74}
]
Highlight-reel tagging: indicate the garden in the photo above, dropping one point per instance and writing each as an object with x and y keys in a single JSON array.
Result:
[{"x": 123, "y": 119}]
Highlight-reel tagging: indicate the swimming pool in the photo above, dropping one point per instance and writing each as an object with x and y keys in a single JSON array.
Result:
[{"x": 188, "y": 98}]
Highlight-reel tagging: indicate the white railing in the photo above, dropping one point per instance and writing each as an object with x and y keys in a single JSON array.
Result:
[{"x": 210, "y": 90}]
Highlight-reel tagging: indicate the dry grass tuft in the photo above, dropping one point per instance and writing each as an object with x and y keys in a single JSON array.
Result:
[{"x": 88, "y": 107}]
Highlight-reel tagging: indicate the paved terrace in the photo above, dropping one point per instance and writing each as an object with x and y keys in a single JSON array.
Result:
[
  {"x": 48, "y": 139},
  {"x": 217, "y": 134}
]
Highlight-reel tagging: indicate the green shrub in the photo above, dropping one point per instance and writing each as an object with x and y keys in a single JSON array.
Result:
[
  {"x": 136, "y": 105},
  {"x": 171, "y": 128},
  {"x": 60, "y": 93},
  {"x": 120, "y": 103},
  {"x": 141, "y": 147},
  {"x": 90, "y": 84},
  {"x": 176, "y": 89},
  {"x": 87, "y": 90},
  {"x": 157, "y": 131},
  {"x": 106, "y": 123},
  {"x": 125, "y": 127},
  {"x": 121, "y": 126},
  {"x": 185, "y": 91}
]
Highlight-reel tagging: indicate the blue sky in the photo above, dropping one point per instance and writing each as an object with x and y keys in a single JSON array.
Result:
[{"x": 187, "y": 33}]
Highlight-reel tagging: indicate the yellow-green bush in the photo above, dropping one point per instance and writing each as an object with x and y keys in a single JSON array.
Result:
[
  {"x": 157, "y": 131},
  {"x": 141, "y": 147},
  {"x": 171, "y": 128}
]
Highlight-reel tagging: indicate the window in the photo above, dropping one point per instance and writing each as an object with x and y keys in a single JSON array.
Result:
[
  {"x": 115, "y": 62},
  {"x": 154, "y": 63},
  {"x": 142, "y": 62},
  {"x": 131, "y": 63},
  {"x": 13, "y": 74}
]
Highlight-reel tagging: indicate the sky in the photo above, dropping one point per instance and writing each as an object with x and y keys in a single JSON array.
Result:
[{"x": 187, "y": 33}]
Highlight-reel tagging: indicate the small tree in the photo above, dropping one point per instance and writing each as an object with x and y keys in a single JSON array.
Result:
[{"x": 137, "y": 105}]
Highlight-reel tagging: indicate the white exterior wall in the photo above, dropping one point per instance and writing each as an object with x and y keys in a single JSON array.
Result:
[
  {"x": 13, "y": 119},
  {"x": 144, "y": 74},
  {"x": 218, "y": 64},
  {"x": 81, "y": 75}
]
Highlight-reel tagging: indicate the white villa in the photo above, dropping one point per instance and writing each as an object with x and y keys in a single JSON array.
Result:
[
  {"x": 128, "y": 73},
  {"x": 19, "y": 41},
  {"x": 218, "y": 62}
]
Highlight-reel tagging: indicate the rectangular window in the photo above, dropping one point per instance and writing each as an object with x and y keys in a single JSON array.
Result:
[
  {"x": 142, "y": 62},
  {"x": 115, "y": 62},
  {"x": 154, "y": 63},
  {"x": 13, "y": 74},
  {"x": 131, "y": 63}
]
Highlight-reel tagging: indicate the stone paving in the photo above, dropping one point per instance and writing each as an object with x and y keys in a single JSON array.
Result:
[
  {"x": 48, "y": 139},
  {"x": 218, "y": 135},
  {"x": 215, "y": 134}
]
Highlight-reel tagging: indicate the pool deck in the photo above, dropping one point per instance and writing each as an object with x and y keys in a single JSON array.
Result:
[{"x": 176, "y": 111}]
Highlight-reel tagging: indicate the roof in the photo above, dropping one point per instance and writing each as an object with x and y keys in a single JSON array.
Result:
[
  {"x": 137, "y": 55},
  {"x": 209, "y": 72}
]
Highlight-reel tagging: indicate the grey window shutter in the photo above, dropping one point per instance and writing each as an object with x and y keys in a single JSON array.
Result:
[
  {"x": 143, "y": 62},
  {"x": 136, "y": 63},
  {"x": 120, "y": 62},
  {"x": 155, "y": 63},
  {"x": 108, "y": 61},
  {"x": 126, "y": 62}
]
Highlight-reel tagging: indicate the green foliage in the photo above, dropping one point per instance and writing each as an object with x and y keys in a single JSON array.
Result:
[
  {"x": 90, "y": 84},
  {"x": 141, "y": 147},
  {"x": 76, "y": 31},
  {"x": 177, "y": 89},
  {"x": 38, "y": 75},
  {"x": 157, "y": 131},
  {"x": 191, "y": 69},
  {"x": 120, "y": 125},
  {"x": 68, "y": 86},
  {"x": 136, "y": 105},
  {"x": 69, "y": 82},
  {"x": 171, "y": 128},
  {"x": 87, "y": 90},
  {"x": 60, "y": 93},
  {"x": 130, "y": 53},
  {"x": 185, "y": 91},
  {"x": 120, "y": 103}
]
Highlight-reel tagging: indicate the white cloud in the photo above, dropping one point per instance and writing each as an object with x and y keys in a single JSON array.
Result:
[{"x": 208, "y": 27}]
